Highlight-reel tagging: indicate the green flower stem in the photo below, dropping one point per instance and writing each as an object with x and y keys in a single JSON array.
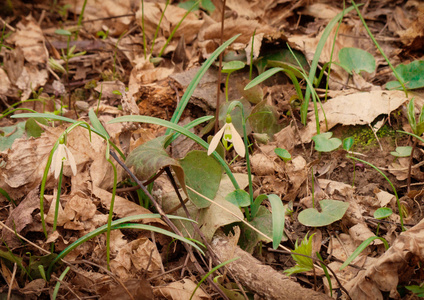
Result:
[
  {"x": 227, "y": 80},
  {"x": 56, "y": 208},
  {"x": 246, "y": 145},
  {"x": 391, "y": 184},
  {"x": 109, "y": 220},
  {"x": 59, "y": 190},
  {"x": 46, "y": 170}
]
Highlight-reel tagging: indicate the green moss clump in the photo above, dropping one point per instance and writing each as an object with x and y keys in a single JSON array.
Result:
[{"x": 365, "y": 138}]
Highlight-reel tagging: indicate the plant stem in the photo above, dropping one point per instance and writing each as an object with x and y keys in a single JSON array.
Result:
[
  {"x": 109, "y": 220},
  {"x": 411, "y": 157}
]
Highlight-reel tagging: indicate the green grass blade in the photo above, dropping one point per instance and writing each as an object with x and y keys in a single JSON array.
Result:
[
  {"x": 190, "y": 125},
  {"x": 278, "y": 218},
  {"x": 262, "y": 77},
  {"x": 102, "y": 229},
  {"x": 60, "y": 118},
  {"x": 193, "y": 84},
  {"x": 314, "y": 65},
  {"x": 210, "y": 272},
  {"x": 97, "y": 125},
  {"x": 56, "y": 288},
  {"x": 361, "y": 248}
]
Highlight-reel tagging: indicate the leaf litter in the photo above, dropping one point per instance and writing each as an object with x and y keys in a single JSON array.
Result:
[{"x": 117, "y": 77}]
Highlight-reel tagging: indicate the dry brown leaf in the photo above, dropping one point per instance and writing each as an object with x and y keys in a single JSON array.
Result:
[
  {"x": 30, "y": 39},
  {"x": 20, "y": 217},
  {"x": 210, "y": 35},
  {"x": 123, "y": 207},
  {"x": 360, "y": 232},
  {"x": 138, "y": 288},
  {"x": 262, "y": 165},
  {"x": 297, "y": 173},
  {"x": 105, "y": 11},
  {"x": 413, "y": 36},
  {"x": 354, "y": 109},
  {"x": 173, "y": 14},
  {"x": 136, "y": 256},
  {"x": 321, "y": 10},
  {"x": 384, "y": 274},
  {"x": 180, "y": 290},
  {"x": 62, "y": 217}
]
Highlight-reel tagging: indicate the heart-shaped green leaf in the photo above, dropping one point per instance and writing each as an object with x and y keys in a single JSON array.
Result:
[
  {"x": 324, "y": 142},
  {"x": 264, "y": 119},
  {"x": 403, "y": 151},
  {"x": 382, "y": 213},
  {"x": 331, "y": 211},
  {"x": 411, "y": 74},
  {"x": 240, "y": 198},
  {"x": 354, "y": 59}
]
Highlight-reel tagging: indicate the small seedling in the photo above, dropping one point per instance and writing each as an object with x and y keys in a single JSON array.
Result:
[
  {"x": 283, "y": 154},
  {"x": 303, "y": 264},
  {"x": 382, "y": 213}
]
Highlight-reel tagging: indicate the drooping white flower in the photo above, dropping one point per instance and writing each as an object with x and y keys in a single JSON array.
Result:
[
  {"x": 229, "y": 134},
  {"x": 62, "y": 154}
]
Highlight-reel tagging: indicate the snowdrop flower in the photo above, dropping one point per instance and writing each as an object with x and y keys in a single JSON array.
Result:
[
  {"x": 229, "y": 134},
  {"x": 62, "y": 154}
]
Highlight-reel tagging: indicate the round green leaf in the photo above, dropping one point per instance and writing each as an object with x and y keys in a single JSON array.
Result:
[
  {"x": 283, "y": 154},
  {"x": 239, "y": 197},
  {"x": 357, "y": 60},
  {"x": 324, "y": 142},
  {"x": 382, "y": 213},
  {"x": 331, "y": 211},
  {"x": 231, "y": 66},
  {"x": 404, "y": 151}
]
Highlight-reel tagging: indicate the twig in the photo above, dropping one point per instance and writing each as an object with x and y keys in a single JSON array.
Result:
[
  {"x": 197, "y": 229},
  {"x": 166, "y": 219},
  {"x": 9, "y": 292}
]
